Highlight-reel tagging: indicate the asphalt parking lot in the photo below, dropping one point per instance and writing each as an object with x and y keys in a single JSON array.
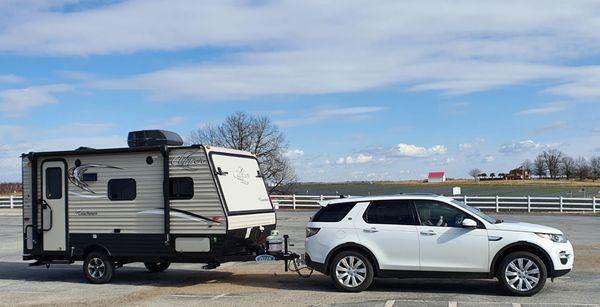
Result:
[{"x": 267, "y": 284}]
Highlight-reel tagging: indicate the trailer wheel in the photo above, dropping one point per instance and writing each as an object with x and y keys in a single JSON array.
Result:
[
  {"x": 351, "y": 271},
  {"x": 98, "y": 268},
  {"x": 156, "y": 267}
]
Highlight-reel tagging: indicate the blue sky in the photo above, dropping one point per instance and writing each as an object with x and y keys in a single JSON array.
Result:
[{"x": 363, "y": 91}]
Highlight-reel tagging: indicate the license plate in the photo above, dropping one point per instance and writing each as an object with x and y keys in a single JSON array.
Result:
[{"x": 265, "y": 258}]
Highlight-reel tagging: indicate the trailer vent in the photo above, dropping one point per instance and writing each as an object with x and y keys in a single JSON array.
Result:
[{"x": 153, "y": 138}]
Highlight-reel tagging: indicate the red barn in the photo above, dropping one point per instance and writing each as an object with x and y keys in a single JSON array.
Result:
[{"x": 436, "y": 177}]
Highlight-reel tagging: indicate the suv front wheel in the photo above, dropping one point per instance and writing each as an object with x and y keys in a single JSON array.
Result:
[
  {"x": 522, "y": 273},
  {"x": 351, "y": 271}
]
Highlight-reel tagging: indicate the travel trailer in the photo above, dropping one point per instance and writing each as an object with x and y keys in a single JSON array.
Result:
[{"x": 155, "y": 202}]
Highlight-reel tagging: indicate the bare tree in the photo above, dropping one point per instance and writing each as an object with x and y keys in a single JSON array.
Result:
[
  {"x": 568, "y": 167},
  {"x": 10, "y": 188},
  {"x": 595, "y": 167},
  {"x": 539, "y": 166},
  {"x": 475, "y": 173},
  {"x": 552, "y": 159},
  {"x": 582, "y": 168},
  {"x": 527, "y": 164},
  {"x": 258, "y": 135}
]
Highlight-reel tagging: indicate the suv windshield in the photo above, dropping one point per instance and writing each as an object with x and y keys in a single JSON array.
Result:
[{"x": 480, "y": 214}]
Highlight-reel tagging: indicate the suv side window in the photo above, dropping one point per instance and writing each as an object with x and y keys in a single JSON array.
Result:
[
  {"x": 333, "y": 212},
  {"x": 435, "y": 213},
  {"x": 395, "y": 212}
]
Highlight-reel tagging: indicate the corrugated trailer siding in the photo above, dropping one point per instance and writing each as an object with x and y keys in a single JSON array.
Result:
[
  {"x": 27, "y": 186},
  {"x": 192, "y": 162},
  {"x": 127, "y": 216}
]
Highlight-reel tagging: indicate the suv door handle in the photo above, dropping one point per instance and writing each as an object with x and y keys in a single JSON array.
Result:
[
  {"x": 428, "y": 233},
  {"x": 370, "y": 230}
]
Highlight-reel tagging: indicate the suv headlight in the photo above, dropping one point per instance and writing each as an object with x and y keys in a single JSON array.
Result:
[{"x": 553, "y": 237}]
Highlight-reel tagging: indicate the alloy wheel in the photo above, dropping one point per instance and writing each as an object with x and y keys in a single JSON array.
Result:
[
  {"x": 522, "y": 274},
  {"x": 351, "y": 271},
  {"x": 96, "y": 268}
]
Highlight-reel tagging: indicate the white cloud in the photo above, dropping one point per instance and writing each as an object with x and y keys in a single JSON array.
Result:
[
  {"x": 360, "y": 159},
  {"x": 520, "y": 147},
  {"x": 465, "y": 146},
  {"x": 325, "y": 114},
  {"x": 455, "y": 48},
  {"x": 409, "y": 150},
  {"x": 489, "y": 159},
  {"x": 11, "y": 79},
  {"x": 17, "y": 102},
  {"x": 545, "y": 109},
  {"x": 294, "y": 153}
]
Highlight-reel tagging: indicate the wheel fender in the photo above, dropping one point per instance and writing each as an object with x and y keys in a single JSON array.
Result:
[
  {"x": 522, "y": 246},
  {"x": 351, "y": 246}
]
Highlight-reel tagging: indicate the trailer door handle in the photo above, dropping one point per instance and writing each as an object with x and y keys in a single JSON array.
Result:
[
  {"x": 370, "y": 230},
  {"x": 428, "y": 233}
]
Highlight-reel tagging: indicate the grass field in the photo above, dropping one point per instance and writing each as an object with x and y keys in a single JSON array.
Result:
[{"x": 469, "y": 187}]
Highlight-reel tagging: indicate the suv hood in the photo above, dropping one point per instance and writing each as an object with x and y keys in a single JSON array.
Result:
[{"x": 526, "y": 227}]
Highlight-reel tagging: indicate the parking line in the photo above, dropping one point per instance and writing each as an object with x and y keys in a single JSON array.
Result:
[
  {"x": 389, "y": 303},
  {"x": 452, "y": 304},
  {"x": 516, "y": 305}
]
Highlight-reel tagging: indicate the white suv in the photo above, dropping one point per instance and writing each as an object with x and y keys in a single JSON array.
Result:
[{"x": 422, "y": 235}]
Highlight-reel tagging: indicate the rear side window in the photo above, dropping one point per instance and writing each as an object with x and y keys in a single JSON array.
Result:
[
  {"x": 396, "y": 212},
  {"x": 122, "y": 189},
  {"x": 333, "y": 212},
  {"x": 181, "y": 188}
]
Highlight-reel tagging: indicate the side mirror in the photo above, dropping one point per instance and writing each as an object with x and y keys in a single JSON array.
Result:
[{"x": 469, "y": 223}]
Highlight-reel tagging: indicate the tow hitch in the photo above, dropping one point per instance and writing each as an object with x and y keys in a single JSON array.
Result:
[{"x": 278, "y": 249}]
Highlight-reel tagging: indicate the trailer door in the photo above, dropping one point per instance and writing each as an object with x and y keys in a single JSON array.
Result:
[
  {"x": 54, "y": 205},
  {"x": 241, "y": 183}
]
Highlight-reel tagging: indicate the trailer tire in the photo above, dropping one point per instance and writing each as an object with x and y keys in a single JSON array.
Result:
[
  {"x": 351, "y": 271},
  {"x": 156, "y": 267},
  {"x": 98, "y": 268}
]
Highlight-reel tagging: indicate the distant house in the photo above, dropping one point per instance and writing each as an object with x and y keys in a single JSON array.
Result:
[
  {"x": 436, "y": 177},
  {"x": 519, "y": 174}
]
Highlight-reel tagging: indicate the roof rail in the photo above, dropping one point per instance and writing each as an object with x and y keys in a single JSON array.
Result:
[{"x": 419, "y": 194}]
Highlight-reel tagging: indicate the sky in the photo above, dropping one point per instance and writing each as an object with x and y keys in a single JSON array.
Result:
[{"x": 363, "y": 90}]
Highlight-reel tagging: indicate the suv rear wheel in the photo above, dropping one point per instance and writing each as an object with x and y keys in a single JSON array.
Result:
[
  {"x": 351, "y": 271},
  {"x": 522, "y": 273}
]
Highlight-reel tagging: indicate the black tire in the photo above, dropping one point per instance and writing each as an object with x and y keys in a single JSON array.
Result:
[
  {"x": 351, "y": 281},
  {"x": 156, "y": 267},
  {"x": 98, "y": 268},
  {"x": 522, "y": 274}
]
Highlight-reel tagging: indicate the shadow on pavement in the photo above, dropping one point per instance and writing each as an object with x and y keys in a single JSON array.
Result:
[{"x": 123, "y": 276}]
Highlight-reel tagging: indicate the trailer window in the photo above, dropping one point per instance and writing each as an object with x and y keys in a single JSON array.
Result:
[
  {"x": 181, "y": 188},
  {"x": 54, "y": 183},
  {"x": 121, "y": 189},
  {"x": 333, "y": 212}
]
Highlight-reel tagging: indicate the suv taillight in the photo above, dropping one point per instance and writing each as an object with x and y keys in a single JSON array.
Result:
[{"x": 310, "y": 231}]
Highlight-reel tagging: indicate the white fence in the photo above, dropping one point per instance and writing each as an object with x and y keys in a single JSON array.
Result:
[
  {"x": 11, "y": 202},
  {"x": 493, "y": 203}
]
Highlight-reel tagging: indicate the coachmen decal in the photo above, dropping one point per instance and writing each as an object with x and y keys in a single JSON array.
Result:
[{"x": 188, "y": 160}]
